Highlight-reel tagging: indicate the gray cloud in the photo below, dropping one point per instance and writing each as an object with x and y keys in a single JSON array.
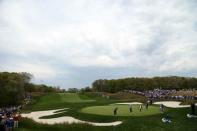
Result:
[{"x": 72, "y": 43}]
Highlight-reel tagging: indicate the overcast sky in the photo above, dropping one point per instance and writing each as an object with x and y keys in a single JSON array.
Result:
[{"x": 71, "y": 43}]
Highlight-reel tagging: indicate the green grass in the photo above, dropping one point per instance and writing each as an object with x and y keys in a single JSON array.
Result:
[
  {"x": 120, "y": 96},
  {"x": 148, "y": 122},
  {"x": 123, "y": 110},
  {"x": 57, "y": 100},
  {"x": 74, "y": 98}
]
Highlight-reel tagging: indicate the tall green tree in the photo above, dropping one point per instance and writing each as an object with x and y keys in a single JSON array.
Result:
[{"x": 134, "y": 83}]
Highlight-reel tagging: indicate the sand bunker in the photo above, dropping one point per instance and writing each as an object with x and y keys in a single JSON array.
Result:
[
  {"x": 129, "y": 103},
  {"x": 172, "y": 104},
  {"x": 64, "y": 119}
]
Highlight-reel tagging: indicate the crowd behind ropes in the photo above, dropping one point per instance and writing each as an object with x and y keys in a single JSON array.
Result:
[
  {"x": 167, "y": 94},
  {"x": 9, "y": 118}
]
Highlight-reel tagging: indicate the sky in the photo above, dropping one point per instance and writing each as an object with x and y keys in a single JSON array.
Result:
[{"x": 71, "y": 43}]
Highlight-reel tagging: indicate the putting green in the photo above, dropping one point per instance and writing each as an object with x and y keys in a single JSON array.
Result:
[{"x": 123, "y": 110}]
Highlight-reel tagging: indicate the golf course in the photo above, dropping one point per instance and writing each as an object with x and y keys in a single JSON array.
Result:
[
  {"x": 84, "y": 111},
  {"x": 98, "y": 65}
]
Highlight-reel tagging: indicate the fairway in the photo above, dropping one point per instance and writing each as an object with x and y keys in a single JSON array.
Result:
[
  {"x": 59, "y": 100},
  {"x": 74, "y": 98},
  {"x": 123, "y": 110}
]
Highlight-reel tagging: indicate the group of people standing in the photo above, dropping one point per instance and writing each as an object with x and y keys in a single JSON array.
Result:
[
  {"x": 146, "y": 106},
  {"x": 131, "y": 109},
  {"x": 9, "y": 119}
]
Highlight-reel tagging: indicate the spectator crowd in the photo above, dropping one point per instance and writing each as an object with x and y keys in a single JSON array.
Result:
[
  {"x": 163, "y": 94},
  {"x": 9, "y": 118}
]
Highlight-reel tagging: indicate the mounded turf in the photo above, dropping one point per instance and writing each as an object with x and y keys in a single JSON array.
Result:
[{"x": 123, "y": 110}]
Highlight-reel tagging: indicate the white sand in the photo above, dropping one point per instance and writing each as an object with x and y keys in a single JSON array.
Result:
[
  {"x": 172, "y": 104},
  {"x": 64, "y": 119},
  {"x": 129, "y": 103}
]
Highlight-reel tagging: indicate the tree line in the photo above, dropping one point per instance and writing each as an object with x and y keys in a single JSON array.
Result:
[
  {"x": 141, "y": 84},
  {"x": 15, "y": 86}
]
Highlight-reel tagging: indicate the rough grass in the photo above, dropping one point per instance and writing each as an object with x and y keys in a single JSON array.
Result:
[
  {"x": 186, "y": 93},
  {"x": 119, "y": 96}
]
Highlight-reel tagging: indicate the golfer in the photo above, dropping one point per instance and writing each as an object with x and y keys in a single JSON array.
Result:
[
  {"x": 130, "y": 108},
  {"x": 140, "y": 108},
  {"x": 162, "y": 108},
  {"x": 147, "y": 105},
  {"x": 115, "y": 111}
]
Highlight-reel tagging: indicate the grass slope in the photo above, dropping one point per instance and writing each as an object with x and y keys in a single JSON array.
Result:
[
  {"x": 57, "y": 100},
  {"x": 74, "y": 98}
]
